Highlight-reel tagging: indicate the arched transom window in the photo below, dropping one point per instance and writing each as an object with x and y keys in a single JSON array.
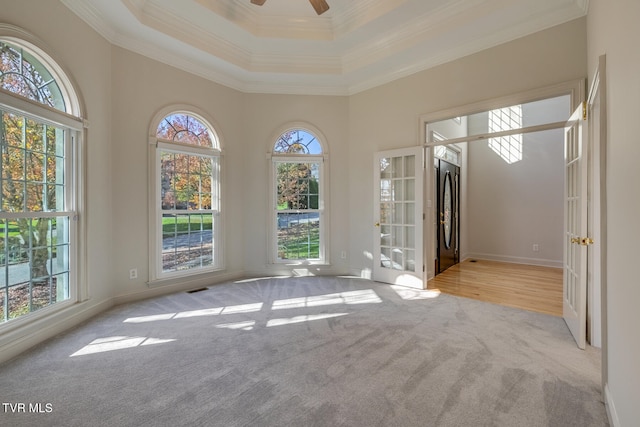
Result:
[
  {"x": 21, "y": 73},
  {"x": 298, "y": 191},
  {"x": 188, "y": 196}
]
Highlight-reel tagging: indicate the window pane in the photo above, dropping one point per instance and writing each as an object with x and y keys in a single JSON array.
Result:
[
  {"x": 296, "y": 185},
  {"x": 24, "y": 75},
  {"x": 35, "y": 270},
  {"x": 184, "y": 128},
  {"x": 297, "y": 141},
  {"x": 187, "y": 241},
  {"x": 298, "y": 235}
]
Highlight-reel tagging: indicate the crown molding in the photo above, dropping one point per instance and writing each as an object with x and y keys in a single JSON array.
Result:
[{"x": 247, "y": 62}]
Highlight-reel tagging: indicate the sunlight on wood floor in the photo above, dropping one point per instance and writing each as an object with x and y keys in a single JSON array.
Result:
[{"x": 528, "y": 287}]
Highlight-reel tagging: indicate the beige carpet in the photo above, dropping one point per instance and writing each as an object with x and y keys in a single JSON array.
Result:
[{"x": 308, "y": 352}]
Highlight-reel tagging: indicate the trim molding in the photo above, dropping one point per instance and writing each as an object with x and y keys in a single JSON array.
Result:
[
  {"x": 233, "y": 41},
  {"x": 181, "y": 284},
  {"x": 516, "y": 260},
  {"x": 611, "y": 408},
  {"x": 22, "y": 339}
]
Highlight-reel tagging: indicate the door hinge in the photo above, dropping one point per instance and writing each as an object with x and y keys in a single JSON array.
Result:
[
  {"x": 584, "y": 111},
  {"x": 423, "y": 268}
]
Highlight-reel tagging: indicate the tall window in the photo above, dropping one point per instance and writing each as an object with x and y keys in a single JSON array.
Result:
[
  {"x": 188, "y": 196},
  {"x": 298, "y": 192},
  {"x": 507, "y": 147},
  {"x": 37, "y": 173}
]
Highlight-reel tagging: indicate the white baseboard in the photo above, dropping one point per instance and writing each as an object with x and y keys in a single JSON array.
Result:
[
  {"x": 614, "y": 421},
  {"x": 176, "y": 285},
  {"x": 290, "y": 270},
  {"x": 516, "y": 260},
  {"x": 23, "y": 338}
]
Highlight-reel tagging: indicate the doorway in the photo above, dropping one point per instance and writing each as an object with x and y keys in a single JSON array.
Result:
[
  {"x": 508, "y": 147},
  {"x": 448, "y": 223}
]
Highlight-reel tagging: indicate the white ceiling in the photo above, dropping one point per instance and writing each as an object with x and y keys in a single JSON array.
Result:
[{"x": 284, "y": 47}]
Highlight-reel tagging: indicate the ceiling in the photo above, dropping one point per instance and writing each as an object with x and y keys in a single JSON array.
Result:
[{"x": 284, "y": 47}]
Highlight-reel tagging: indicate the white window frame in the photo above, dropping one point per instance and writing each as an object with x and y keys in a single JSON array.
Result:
[
  {"x": 73, "y": 126},
  {"x": 323, "y": 194},
  {"x": 157, "y": 276}
]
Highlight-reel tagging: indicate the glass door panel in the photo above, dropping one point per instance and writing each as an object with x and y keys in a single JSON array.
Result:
[{"x": 398, "y": 248}]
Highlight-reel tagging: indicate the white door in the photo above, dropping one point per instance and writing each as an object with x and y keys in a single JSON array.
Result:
[
  {"x": 398, "y": 217},
  {"x": 576, "y": 241}
]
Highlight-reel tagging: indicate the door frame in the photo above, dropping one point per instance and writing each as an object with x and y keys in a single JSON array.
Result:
[
  {"x": 455, "y": 185},
  {"x": 576, "y": 89}
]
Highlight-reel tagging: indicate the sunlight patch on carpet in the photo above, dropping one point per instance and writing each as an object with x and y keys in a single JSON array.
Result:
[
  {"x": 216, "y": 311},
  {"x": 365, "y": 296},
  {"x": 101, "y": 345},
  {"x": 415, "y": 294},
  {"x": 245, "y": 326},
  {"x": 301, "y": 319}
]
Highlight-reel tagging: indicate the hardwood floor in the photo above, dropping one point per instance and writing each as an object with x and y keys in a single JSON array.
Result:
[{"x": 528, "y": 287}]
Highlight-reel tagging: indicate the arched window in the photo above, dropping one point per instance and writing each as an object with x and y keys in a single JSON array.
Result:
[
  {"x": 187, "y": 197},
  {"x": 298, "y": 197},
  {"x": 24, "y": 75},
  {"x": 38, "y": 178}
]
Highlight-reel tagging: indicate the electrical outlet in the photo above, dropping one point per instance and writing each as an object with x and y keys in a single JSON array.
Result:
[
  {"x": 536, "y": 247},
  {"x": 133, "y": 274}
]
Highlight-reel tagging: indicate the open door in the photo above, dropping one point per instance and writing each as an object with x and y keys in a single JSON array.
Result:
[
  {"x": 398, "y": 217},
  {"x": 576, "y": 241}
]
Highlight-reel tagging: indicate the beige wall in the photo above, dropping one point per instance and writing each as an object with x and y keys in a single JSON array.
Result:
[
  {"x": 264, "y": 115},
  {"x": 514, "y": 206},
  {"x": 613, "y": 30},
  {"x": 141, "y": 87},
  {"x": 121, "y": 92},
  {"x": 387, "y": 117},
  {"x": 86, "y": 57}
]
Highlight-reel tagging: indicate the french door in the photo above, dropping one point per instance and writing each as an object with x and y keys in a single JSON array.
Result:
[
  {"x": 398, "y": 217},
  {"x": 576, "y": 242}
]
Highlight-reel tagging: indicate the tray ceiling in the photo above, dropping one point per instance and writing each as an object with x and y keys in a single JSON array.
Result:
[{"x": 284, "y": 47}]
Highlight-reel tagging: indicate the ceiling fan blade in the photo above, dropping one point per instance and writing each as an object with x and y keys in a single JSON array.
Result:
[
  {"x": 320, "y": 6},
  {"x": 258, "y": 2}
]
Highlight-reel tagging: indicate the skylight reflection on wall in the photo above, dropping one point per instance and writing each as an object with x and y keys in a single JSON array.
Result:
[{"x": 507, "y": 147}]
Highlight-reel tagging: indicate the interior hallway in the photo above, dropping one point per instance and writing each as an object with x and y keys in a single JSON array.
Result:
[{"x": 529, "y": 287}]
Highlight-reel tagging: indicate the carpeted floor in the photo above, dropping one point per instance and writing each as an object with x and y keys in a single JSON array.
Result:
[{"x": 313, "y": 351}]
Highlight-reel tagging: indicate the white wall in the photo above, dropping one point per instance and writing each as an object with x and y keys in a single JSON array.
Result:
[
  {"x": 387, "y": 117},
  {"x": 613, "y": 30},
  {"x": 511, "y": 207},
  {"x": 86, "y": 57}
]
